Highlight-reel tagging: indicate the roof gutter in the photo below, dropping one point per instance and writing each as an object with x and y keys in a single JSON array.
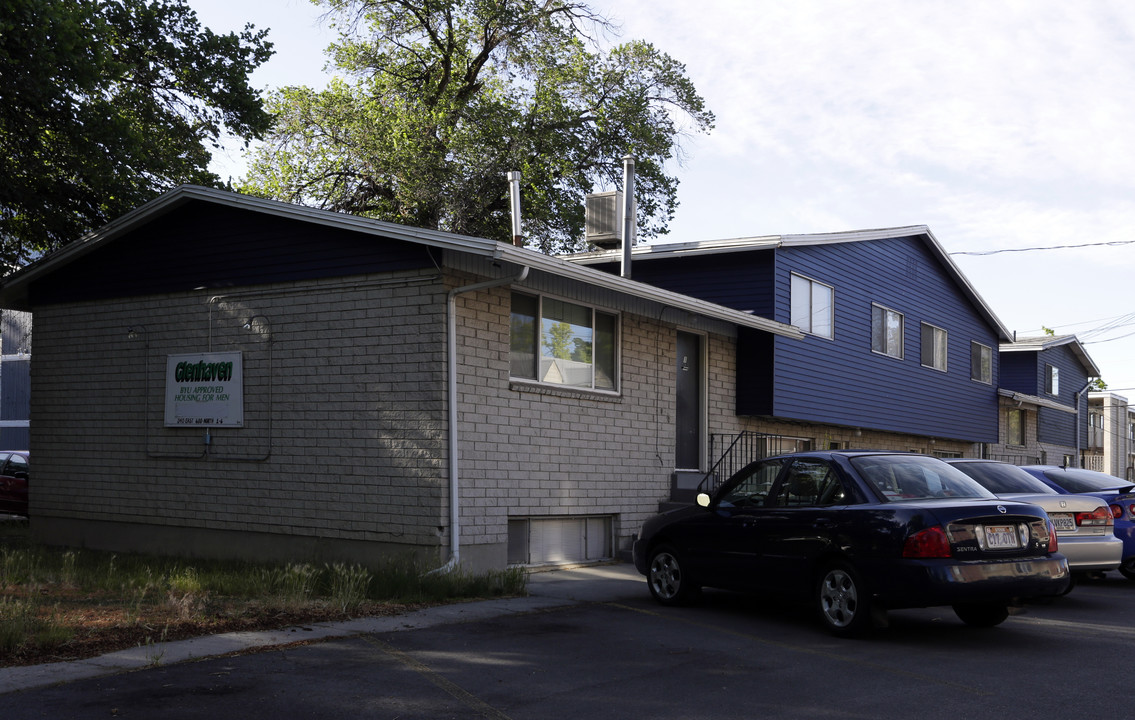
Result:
[{"x": 451, "y": 397}]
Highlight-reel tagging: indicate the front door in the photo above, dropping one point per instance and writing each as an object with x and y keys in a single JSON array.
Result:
[{"x": 688, "y": 422}]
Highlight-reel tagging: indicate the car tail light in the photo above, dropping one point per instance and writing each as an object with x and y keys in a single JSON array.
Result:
[
  {"x": 1053, "y": 546},
  {"x": 1117, "y": 511},
  {"x": 929, "y": 543},
  {"x": 1099, "y": 517}
]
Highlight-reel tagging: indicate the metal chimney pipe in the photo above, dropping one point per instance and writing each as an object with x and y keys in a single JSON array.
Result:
[
  {"x": 514, "y": 190},
  {"x": 628, "y": 213}
]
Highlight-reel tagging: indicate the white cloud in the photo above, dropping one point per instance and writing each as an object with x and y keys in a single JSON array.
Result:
[{"x": 1000, "y": 124}]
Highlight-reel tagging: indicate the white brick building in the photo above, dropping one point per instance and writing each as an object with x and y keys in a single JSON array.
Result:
[
  {"x": 1109, "y": 445},
  {"x": 347, "y": 447}
]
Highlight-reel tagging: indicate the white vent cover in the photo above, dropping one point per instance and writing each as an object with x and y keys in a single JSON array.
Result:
[{"x": 604, "y": 220}]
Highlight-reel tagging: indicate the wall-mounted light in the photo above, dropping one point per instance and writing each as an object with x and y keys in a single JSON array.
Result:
[
  {"x": 249, "y": 323},
  {"x": 134, "y": 331}
]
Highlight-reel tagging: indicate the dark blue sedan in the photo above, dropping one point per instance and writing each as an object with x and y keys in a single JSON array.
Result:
[
  {"x": 1118, "y": 494},
  {"x": 857, "y": 533}
]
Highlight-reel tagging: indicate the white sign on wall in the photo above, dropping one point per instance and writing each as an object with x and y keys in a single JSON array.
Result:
[{"x": 204, "y": 389}]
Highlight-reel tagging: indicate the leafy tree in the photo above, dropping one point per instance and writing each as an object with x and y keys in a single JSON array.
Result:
[
  {"x": 446, "y": 96},
  {"x": 557, "y": 338},
  {"x": 581, "y": 351},
  {"x": 108, "y": 103}
]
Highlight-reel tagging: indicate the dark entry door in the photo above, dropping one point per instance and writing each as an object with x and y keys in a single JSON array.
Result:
[{"x": 688, "y": 423}]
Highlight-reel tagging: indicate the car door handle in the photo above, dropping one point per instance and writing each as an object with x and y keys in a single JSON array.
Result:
[{"x": 823, "y": 523}]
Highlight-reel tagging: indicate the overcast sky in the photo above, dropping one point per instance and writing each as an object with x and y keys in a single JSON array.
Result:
[{"x": 1000, "y": 125}]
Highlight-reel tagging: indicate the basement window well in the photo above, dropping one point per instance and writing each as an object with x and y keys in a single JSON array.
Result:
[{"x": 559, "y": 540}]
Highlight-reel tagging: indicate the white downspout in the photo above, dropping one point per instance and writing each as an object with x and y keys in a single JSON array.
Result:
[
  {"x": 1080, "y": 424},
  {"x": 451, "y": 393},
  {"x": 451, "y": 378}
]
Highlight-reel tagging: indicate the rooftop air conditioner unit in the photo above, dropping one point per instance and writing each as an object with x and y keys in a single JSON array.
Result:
[{"x": 604, "y": 227}]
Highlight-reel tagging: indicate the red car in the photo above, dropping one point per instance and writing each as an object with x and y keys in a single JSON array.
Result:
[{"x": 14, "y": 471}]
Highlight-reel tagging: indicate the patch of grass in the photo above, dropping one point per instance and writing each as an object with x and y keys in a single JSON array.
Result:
[
  {"x": 22, "y": 623},
  {"x": 61, "y": 603},
  {"x": 348, "y": 585}
]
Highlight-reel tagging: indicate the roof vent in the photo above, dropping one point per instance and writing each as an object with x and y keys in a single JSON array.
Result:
[{"x": 604, "y": 220}]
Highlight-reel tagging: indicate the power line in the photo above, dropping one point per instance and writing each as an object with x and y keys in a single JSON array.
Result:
[
  {"x": 1097, "y": 342},
  {"x": 1051, "y": 247},
  {"x": 1113, "y": 318},
  {"x": 1109, "y": 324}
]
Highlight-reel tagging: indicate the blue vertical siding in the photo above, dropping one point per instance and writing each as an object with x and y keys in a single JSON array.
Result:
[
  {"x": 206, "y": 245},
  {"x": 740, "y": 280},
  {"x": 1054, "y": 426},
  {"x": 1018, "y": 372},
  {"x": 842, "y": 381}
]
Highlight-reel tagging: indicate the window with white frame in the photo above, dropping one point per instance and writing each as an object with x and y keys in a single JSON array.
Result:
[
  {"x": 981, "y": 363},
  {"x": 1051, "y": 379},
  {"x": 886, "y": 331},
  {"x": 812, "y": 306},
  {"x": 933, "y": 347},
  {"x": 562, "y": 343}
]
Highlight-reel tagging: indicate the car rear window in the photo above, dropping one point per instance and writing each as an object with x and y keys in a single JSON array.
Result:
[
  {"x": 1003, "y": 479},
  {"x": 916, "y": 477},
  {"x": 1085, "y": 481}
]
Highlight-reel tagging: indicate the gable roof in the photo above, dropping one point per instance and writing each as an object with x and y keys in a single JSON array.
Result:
[
  {"x": 14, "y": 289},
  {"x": 774, "y": 242},
  {"x": 1047, "y": 342}
]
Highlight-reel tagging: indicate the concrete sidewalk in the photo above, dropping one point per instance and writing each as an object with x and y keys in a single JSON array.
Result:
[{"x": 547, "y": 589}]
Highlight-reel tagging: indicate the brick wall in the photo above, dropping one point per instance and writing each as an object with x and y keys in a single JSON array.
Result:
[
  {"x": 344, "y": 413},
  {"x": 536, "y": 451}
]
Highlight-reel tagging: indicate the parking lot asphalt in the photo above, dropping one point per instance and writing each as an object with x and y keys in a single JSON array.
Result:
[{"x": 547, "y": 589}]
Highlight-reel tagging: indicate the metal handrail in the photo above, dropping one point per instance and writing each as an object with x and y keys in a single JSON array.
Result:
[{"x": 744, "y": 448}]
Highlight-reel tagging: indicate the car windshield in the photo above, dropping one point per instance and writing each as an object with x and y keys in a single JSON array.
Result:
[
  {"x": 916, "y": 477},
  {"x": 1085, "y": 481},
  {"x": 1002, "y": 479}
]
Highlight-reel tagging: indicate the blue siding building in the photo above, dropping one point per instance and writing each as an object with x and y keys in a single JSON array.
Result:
[
  {"x": 15, "y": 379},
  {"x": 1045, "y": 382},
  {"x": 897, "y": 340}
]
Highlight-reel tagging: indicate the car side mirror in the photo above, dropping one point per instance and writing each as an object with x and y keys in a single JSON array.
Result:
[{"x": 703, "y": 499}]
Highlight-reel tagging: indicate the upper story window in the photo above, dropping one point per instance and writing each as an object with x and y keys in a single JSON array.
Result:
[
  {"x": 1051, "y": 379},
  {"x": 562, "y": 343},
  {"x": 981, "y": 362},
  {"x": 933, "y": 347},
  {"x": 886, "y": 331},
  {"x": 812, "y": 306}
]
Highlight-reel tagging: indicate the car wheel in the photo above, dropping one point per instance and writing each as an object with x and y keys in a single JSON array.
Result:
[
  {"x": 1127, "y": 569},
  {"x": 843, "y": 601},
  {"x": 982, "y": 615},
  {"x": 669, "y": 583}
]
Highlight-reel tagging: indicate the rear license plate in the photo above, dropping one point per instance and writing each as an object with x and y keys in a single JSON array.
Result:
[
  {"x": 999, "y": 537},
  {"x": 1064, "y": 522}
]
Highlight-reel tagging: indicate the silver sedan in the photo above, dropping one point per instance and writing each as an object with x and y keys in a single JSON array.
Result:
[{"x": 1084, "y": 523}]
